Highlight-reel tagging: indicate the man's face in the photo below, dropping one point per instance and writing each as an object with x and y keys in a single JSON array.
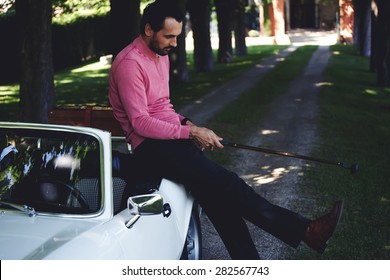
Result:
[{"x": 164, "y": 40}]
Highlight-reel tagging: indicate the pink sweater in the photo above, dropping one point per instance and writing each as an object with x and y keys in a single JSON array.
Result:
[{"x": 139, "y": 95}]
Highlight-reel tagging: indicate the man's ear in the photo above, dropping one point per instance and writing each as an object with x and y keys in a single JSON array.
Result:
[{"x": 148, "y": 30}]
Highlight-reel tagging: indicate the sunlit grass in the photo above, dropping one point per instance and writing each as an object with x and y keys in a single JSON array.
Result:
[
  {"x": 91, "y": 68},
  {"x": 9, "y": 102},
  {"x": 9, "y": 94},
  {"x": 371, "y": 91},
  {"x": 84, "y": 85}
]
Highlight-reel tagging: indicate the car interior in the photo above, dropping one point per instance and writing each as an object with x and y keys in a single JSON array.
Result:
[{"x": 61, "y": 172}]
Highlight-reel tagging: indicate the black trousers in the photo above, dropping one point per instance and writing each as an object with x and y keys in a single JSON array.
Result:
[{"x": 226, "y": 198}]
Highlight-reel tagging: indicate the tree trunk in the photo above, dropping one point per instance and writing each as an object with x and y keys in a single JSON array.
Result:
[
  {"x": 383, "y": 69},
  {"x": 199, "y": 11},
  {"x": 224, "y": 10},
  {"x": 366, "y": 36},
  {"x": 239, "y": 28},
  {"x": 36, "y": 74},
  {"x": 374, "y": 39},
  {"x": 362, "y": 32},
  {"x": 124, "y": 19},
  {"x": 178, "y": 57}
]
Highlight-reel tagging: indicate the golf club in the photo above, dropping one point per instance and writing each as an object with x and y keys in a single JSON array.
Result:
[{"x": 353, "y": 168}]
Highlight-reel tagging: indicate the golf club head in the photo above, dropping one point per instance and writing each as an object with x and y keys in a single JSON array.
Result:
[{"x": 354, "y": 168}]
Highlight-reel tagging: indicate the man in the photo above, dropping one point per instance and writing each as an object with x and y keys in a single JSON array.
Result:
[{"x": 168, "y": 145}]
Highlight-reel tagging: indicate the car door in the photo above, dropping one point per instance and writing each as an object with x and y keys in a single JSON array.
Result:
[{"x": 158, "y": 236}]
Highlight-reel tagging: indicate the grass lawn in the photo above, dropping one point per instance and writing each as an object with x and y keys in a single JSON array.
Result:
[{"x": 354, "y": 126}]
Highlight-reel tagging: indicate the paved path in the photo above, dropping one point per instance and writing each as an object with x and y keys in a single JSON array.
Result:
[
  {"x": 203, "y": 109},
  {"x": 290, "y": 125}
]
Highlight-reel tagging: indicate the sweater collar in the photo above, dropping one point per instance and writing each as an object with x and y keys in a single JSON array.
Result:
[{"x": 144, "y": 48}]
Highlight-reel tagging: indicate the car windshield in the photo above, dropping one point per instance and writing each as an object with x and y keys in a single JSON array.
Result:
[{"x": 50, "y": 171}]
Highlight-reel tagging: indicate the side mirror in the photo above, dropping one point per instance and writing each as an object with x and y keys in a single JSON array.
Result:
[{"x": 143, "y": 205}]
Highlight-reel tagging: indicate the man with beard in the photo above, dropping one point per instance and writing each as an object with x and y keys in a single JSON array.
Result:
[{"x": 168, "y": 145}]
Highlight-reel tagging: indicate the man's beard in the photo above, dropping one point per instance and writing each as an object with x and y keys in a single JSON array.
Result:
[{"x": 162, "y": 52}]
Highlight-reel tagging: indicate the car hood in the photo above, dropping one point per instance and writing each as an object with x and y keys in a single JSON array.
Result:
[{"x": 24, "y": 237}]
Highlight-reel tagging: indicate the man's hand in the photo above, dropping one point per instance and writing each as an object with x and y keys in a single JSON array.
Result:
[{"x": 205, "y": 137}]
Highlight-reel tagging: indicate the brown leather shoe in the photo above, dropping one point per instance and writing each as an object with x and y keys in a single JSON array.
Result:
[{"x": 320, "y": 230}]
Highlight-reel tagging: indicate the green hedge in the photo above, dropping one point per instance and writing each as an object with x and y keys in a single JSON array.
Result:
[
  {"x": 9, "y": 65},
  {"x": 82, "y": 39}
]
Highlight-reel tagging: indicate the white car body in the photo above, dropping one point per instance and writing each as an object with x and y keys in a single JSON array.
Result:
[{"x": 100, "y": 234}]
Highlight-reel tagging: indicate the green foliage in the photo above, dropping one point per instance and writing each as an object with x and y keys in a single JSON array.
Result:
[
  {"x": 80, "y": 32},
  {"x": 83, "y": 39},
  {"x": 65, "y": 12},
  {"x": 7, "y": 7}
]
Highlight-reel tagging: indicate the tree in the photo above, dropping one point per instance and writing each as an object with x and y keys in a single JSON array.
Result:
[
  {"x": 383, "y": 43},
  {"x": 374, "y": 37},
  {"x": 239, "y": 27},
  {"x": 199, "y": 11},
  {"x": 124, "y": 18},
  {"x": 224, "y": 10},
  {"x": 362, "y": 26},
  {"x": 36, "y": 65},
  {"x": 178, "y": 57}
]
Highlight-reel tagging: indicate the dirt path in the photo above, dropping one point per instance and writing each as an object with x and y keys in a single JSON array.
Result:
[
  {"x": 290, "y": 126},
  {"x": 204, "y": 108}
]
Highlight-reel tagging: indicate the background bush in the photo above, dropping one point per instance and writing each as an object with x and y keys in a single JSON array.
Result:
[
  {"x": 9, "y": 50},
  {"x": 74, "y": 42}
]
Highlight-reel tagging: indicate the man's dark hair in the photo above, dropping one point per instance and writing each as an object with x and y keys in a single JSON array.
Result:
[{"x": 156, "y": 13}]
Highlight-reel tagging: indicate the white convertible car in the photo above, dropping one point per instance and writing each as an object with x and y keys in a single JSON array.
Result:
[{"x": 70, "y": 192}]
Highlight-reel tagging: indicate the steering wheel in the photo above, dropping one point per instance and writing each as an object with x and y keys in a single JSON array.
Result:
[{"x": 48, "y": 191}]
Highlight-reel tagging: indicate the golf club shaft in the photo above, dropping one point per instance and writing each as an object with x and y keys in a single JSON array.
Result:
[{"x": 282, "y": 153}]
